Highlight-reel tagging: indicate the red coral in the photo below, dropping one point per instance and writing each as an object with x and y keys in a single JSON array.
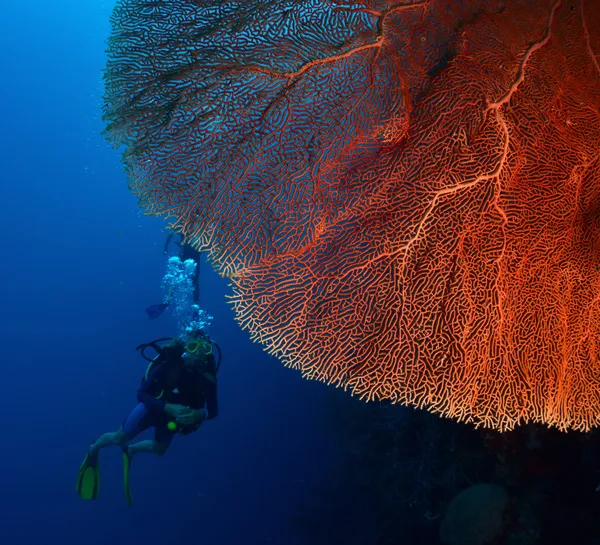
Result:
[{"x": 407, "y": 196}]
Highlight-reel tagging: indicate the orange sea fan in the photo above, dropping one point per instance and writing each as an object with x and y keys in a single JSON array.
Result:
[{"x": 407, "y": 198}]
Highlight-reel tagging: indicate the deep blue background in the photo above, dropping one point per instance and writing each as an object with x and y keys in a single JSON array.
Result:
[{"x": 79, "y": 265}]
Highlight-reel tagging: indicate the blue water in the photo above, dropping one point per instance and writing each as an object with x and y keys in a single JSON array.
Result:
[{"x": 79, "y": 265}]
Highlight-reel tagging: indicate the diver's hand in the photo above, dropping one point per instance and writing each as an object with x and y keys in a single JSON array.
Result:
[
  {"x": 177, "y": 410},
  {"x": 193, "y": 417}
]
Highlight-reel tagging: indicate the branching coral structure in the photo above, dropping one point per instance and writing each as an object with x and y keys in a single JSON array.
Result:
[{"x": 406, "y": 195}]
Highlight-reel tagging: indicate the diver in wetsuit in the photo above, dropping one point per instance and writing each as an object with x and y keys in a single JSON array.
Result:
[
  {"x": 178, "y": 393},
  {"x": 186, "y": 252}
]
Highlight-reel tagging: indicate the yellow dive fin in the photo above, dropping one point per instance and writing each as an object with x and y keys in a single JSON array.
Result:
[
  {"x": 126, "y": 467},
  {"x": 88, "y": 480}
]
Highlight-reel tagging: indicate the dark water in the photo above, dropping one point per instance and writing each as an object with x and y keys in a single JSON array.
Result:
[
  {"x": 287, "y": 461},
  {"x": 79, "y": 265}
]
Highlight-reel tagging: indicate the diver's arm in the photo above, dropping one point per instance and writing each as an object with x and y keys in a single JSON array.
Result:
[
  {"x": 150, "y": 401},
  {"x": 208, "y": 411},
  {"x": 151, "y": 391},
  {"x": 152, "y": 388}
]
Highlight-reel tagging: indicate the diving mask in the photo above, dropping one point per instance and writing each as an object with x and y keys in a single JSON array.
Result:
[{"x": 198, "y": 347}]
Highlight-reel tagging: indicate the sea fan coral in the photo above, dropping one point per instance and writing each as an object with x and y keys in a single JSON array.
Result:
[{"x": 405, "y": 194}]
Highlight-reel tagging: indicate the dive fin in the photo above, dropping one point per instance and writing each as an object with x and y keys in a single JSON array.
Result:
[
  {"x": 126, "y": 468},
  {"x": 154, "y": 311},
  {"x": 88, "y": 480}
]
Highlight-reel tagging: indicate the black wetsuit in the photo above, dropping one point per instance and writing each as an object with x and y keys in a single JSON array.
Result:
[{"x": 171, "y": 382}]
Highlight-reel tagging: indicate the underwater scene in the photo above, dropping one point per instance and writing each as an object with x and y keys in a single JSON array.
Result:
[{"x": 300, "y": 272}]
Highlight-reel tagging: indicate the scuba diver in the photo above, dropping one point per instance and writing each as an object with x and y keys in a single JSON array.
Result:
[
  {"x": 186, "y": 253},
  {"x": 177, "y": 394}
]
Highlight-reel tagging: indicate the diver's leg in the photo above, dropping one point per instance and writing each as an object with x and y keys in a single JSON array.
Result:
[
  {"x": 136, "y": 423},
  {"x": 188, "y": 252},
  {"x": 110, "y": 439},
  {"x": 158, "y": 446},
  {"x": 150, "y": 447}
]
